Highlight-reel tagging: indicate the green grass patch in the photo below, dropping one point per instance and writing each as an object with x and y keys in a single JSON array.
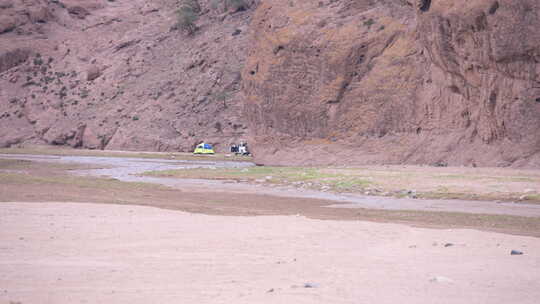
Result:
[
  {"x": 22, "y": 165},
  {"x": 307, "y": 177},
  {"x": 396, "y": 182},
  {"x": 77, "y": 181},
  {"x": 248, "y": 173},
  {"x": 349, "y": 184}
]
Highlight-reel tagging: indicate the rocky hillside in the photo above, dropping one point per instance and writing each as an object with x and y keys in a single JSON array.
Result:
[
  {"x": 119, "y": 75},
  {"x": 445, "y": 82}
]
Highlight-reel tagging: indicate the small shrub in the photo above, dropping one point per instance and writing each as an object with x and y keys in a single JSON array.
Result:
[
  {"x": 194, "y": 4},
  {"x": 186, "y": 20},
  {"x": 218, "y": 127},
  {"x": 38, "y": 61},
  {"x": 229, "y": 5},
  {"x": 369, "y": 22},
  {"x": 135, "y": 118},
  {"x": 84, "y": 93},
  {"x": 187, "y": 15},
  {"x": 236, "y": 5},
  {"x": 63, "y": 92},
  {"x": 221, "y": 96}
]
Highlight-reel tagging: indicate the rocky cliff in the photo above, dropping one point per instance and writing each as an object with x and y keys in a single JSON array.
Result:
[
  {"x": 310, "y": 82},
  {"x": 420, "y": 82}
]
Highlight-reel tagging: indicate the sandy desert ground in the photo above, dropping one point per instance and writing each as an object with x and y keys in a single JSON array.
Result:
[{"x": 95, "y": 253}]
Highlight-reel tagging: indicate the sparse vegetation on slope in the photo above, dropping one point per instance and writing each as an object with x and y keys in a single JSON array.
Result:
[{"x": 187, "y": 15}]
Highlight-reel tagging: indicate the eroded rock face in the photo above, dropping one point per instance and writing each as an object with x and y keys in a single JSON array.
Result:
[
  {"x": 314, "y": 82},
  {"x": 360, "y": 82}
]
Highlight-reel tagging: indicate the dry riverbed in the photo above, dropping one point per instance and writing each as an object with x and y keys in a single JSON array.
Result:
[
  {"x": 31, "y": 181},
  {"x": 224, "y": 233}
]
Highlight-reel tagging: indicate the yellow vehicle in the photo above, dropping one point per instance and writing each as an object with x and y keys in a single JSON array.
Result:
[{"x": 204, "y": 148}]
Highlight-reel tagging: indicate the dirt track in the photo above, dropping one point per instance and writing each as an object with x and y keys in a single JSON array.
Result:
[{"x": 89, "y": 253}]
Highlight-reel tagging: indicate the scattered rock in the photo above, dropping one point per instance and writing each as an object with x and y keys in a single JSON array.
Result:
[
  {"x": 311, "y": 285},
  {"x": 78, "y": 12},
  {"x": 516, "y": 252},
  {"x": 7, "y": 24},
  {"x": 270, "y": 290},
  {"x": 441, "y": 279},
  {"x": 448, "y": 245},
  {"x": 93, "y": 73},
  {"x": 40, "y": 15}
]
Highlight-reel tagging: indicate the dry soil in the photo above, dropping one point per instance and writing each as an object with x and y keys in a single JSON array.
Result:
[{"x": 89, "y": 253}]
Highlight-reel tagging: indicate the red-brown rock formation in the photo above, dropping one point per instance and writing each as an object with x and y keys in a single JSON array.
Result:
[
  {"x": 425, "y": 82},
  {"x": 116, "y": 75},
  {"x": 317, "y": 82}
]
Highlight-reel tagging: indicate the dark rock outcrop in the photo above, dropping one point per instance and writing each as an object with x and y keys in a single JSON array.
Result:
[{"x": 12, "y": 58}]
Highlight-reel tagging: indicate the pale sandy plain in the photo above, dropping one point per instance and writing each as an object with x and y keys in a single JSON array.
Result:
[{"x": 89, "y": 253}]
